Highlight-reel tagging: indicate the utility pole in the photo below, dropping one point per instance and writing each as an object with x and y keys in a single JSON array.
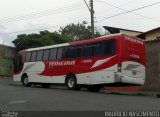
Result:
[{"x": 92, "y": 15}]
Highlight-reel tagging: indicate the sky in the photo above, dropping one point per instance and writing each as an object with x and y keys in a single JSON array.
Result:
[{"x": 31, "y": 16}]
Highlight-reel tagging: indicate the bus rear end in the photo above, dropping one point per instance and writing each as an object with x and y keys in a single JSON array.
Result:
[
  {"x": 132, "y": 60},
  {"x": 18, "y": 65}
]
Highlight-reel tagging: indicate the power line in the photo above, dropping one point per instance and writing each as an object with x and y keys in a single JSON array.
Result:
[
  {"x": 87, "y": 5},
  {"x": 32, "y": 16},
  {"x": 42, "y": 13},
  {"x": 49, "y": 27},
  {"x": 129, "y": 11},
  {"x": 111, "y": 9},
  {"x": 32, "y": 29}
]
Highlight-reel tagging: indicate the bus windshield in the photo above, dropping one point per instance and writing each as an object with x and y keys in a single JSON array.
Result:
[{"x": 18, "y": 61}]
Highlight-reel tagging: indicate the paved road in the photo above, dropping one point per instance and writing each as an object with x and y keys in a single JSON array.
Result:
[{"x": 19, "y": 98}]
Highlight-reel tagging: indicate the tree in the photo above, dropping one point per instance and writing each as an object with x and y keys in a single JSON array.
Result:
[
  {"x": 80, "y": 31},
  {"x": 44, "y": 38}
]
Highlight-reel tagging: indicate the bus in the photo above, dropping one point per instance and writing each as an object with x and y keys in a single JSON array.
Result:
[{"x": 112, "y": 59}]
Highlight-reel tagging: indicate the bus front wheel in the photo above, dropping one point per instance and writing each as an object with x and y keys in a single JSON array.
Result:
[
  {"x": 25, "y": 81},
  {"x": 71, "y": 83}
]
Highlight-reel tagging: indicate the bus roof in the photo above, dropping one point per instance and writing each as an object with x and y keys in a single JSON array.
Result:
[
  {"x": 96, "y": 39},
  {"x": 47, "y": 47}
]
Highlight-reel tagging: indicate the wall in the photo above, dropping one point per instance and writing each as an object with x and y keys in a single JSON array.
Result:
[
  {"x": 6, "y": 67},
  {"x": 6, "y": 59},
  {"x": 129, "y": 32},
  {"x": 7, "y": 52},
  {"x": 153, "y": 66}
]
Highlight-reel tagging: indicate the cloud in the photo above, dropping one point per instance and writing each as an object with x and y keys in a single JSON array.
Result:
[
  {"x": 2, "y": 27},
  {"x": 7, "y": 39},
  {"x": 10, "y": 31}
]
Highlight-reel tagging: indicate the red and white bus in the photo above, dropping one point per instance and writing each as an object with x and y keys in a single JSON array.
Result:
[{"x": 112, "y": 59}]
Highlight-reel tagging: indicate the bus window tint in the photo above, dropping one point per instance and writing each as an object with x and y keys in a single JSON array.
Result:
[
  {"x": 28, "y": 56},
  {"x": 87, "y": 50},
  {"x": 77, "y": 51},
  {"x": 53, "y": 54},
  {"x": 45, "y": 55},
  {"x": 59, "y": 53},
  {"x": 33, "y": 56},
  {"x": 110, "y": 47},
  {"x": 18, "y": 61},
  {"x": 74, "y": 52},
  {"x": 98, "y": 49},
  {"x": 39, "y": 55},
  {"x": 69, "y": 53}
]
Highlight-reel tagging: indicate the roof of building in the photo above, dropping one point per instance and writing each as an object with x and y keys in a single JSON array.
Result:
[
  {"x": 156, "y": 39},
  {"x": 117, "y": 30},
  {"x": 148, "y": 31},
  {"x": 143, "y": 35}
]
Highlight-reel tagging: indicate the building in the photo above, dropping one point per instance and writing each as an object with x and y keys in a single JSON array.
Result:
[
  {"x": 152, "y": 38},
  {"x": 113, "y": 30},
  {"x": 150, "y": 35}
]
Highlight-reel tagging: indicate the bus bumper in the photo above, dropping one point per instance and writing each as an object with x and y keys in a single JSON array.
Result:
[
  {"x": 132, "y": 80},
  {"x": 128, "y": 80}
]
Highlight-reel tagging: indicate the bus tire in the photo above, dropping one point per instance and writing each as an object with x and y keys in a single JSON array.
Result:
[
  {"x": 71, "y": 83},
  {"x": 25, "y": 82},
  {"x": 94, "y": 88},
  {"x": 45, "y": 85}
]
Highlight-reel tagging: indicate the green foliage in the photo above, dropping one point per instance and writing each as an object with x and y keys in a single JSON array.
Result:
[
  {"x": 44, "y": 38},
  {"x": 57, "y": 38},
  {"x": 6, "y": 67},
  {"x": 78, "y": 31}
]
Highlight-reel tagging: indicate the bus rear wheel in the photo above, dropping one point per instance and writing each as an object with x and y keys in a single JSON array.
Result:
[
  {"x": 71, "y": 83},
  {"x": 25, "y": 81},
  {"x": 94, "y": 88}
]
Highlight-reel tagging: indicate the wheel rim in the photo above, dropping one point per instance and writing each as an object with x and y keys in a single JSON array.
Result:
[
  {"x": 25, "y": 81},
  {"x": 71, "y": 82}
]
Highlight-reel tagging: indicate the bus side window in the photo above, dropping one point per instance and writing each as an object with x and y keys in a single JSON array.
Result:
[
  {"x": 39, "y": 55},
  {"x": 33, "y": 56},
  {"x": 28, "y": 57},
  {"x": 59, "y": 53},
  {"x": 88, "y": 50},
  {"x": 45, "y": 55},
  {"x": 110, "y": 47},
  {"x": 53, "y": 54},
  {"x": 69, "y": 52},
  {"x": 77, "y": 51},
  {"x": 98, "y": 49}
]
